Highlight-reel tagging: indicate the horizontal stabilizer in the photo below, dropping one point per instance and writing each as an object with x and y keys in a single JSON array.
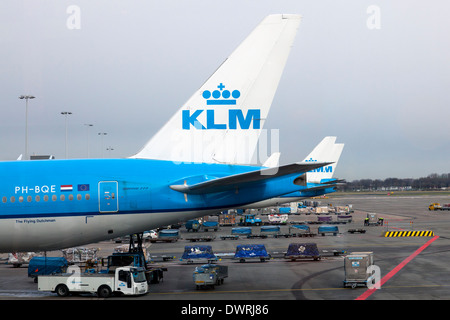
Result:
[{"x": 243, "y": 179}]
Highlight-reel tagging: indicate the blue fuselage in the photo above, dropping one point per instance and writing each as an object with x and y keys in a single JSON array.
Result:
[{"x": 61, "y": 203}]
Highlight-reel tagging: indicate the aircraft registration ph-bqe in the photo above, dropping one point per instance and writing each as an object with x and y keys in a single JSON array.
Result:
[{"x": 54, "y": 204}]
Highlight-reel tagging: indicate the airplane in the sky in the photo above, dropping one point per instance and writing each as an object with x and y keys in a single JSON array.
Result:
[
  {"x": 186, "y": 170},
  {"x": 317, "y": 182}
]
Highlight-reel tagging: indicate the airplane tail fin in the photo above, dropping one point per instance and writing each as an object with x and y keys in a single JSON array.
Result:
[
  {"x": 222, "y": 120},
  {"x": 326, "y": 151}
]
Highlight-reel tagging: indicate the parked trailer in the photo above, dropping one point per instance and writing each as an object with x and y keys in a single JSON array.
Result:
[
  {"x": 241, "y": 231},
  {"x": 201, "y": 238},
  {"x": 192, "y": 253},
  {"x": 302, "y": 250},
  {"x": 39, "y": 266},
  {"x": 208, "y": 225},
  {"x": 300, "y": 230},
  {"x": 125, "y": 280},
  {"x": 328, "y": 229},
  {"x": 167, "y": 235},
  {"x": 209, "y": 275},
  {"x": 251, "y": 251},
  {"x": 357, "y": 271}
]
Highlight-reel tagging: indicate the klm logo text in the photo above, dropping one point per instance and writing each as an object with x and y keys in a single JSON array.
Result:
[
  {"x": 236, "y": 120},
  {"x": 321, "y": 169}
]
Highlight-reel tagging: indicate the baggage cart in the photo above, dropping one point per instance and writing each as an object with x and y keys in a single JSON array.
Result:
[
  {"x": 39, "y": 266},
  {"x": 167, "y": 235},
  {"x": 301, "y": 251},
  {"x": 251, "y": 251},
  {"x": 192, "y": 253},
  {"x": 241, "y": 231},
  {"x": 328, "y": 229},
  {"x": 209, "y": 275}
]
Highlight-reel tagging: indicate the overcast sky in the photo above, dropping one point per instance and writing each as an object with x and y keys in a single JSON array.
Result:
[{"x": 376, "y": 74}]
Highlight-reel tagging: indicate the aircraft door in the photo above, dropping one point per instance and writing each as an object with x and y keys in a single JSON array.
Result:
[{"x": 108, "y": 200}]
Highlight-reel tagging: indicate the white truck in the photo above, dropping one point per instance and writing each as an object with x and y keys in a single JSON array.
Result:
[{"x": 125, "y": 280}]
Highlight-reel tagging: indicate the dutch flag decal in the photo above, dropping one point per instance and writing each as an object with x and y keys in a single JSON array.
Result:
[{"x": 66, "y": 187}]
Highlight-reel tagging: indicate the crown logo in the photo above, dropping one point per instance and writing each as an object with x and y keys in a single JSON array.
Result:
[{"x": 221, "y": 93}]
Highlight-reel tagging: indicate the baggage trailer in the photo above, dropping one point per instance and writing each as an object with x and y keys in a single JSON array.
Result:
[
  {"x": 192, "y": 253},
  {"x": 209, "y": 275},
  {"x": 251, "y": 251},
  {"x": 328, "y": 229},
  {"x": 167, "y": 235},
  {"x": 201, "y": 238},
  {"x": 39, "y": 266},
  {"x": 302, "y": 250},
  {"x": 125, "y": 280},
  {"x": 357, "y": 272}
]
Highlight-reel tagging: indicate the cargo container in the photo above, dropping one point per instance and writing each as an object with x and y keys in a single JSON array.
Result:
[{"x": 357, "y": 271}]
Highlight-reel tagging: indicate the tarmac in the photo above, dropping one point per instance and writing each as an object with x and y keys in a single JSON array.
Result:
[{"x": 411, "y": 268}]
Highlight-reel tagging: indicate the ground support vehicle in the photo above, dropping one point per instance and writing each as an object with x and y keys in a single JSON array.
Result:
[
  {"x": 209, "y": 275},
  {"x": 251, "y": 251},
  {"x": 328, "y": 229},
  {"x": 125, "y": 280},
  {"x": 438, "y": 206},
  {"x": 198, "y": 253},
  {"x": 250, "y": 220},
  {"x": 372, "y": 219},
  {"x": 301, "y": 251},
  {"x": 136, "y": 257},
  {"x": 357, "y": 269},
  {"x": 39, "y": 266},
  {"x": 192, "y": 225}
]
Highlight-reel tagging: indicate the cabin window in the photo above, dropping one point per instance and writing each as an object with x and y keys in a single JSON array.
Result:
[
  {"x": 29, "y": 198},
  {"x": 46, "y": 198},
  {"x": 62, "y": 197},
  {"x": 21, "y": 199},
  {"x": 70, "y": 197},
  {"x": 4, "y": 199},
  {"x": 13, "y": 199},
  {"x": 54, "y": 197},
  {"x": 87, "y": 196},
  {"x": 78, "y": 196}
]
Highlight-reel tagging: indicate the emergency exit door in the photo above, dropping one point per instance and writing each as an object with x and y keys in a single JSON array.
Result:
[{"x": 108, "y": 201}]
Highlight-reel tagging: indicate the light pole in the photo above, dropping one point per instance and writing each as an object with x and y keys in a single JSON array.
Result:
[
  {"x": 109, "y": 149},
  {"x": 26, "y": 97},
  {"x": 102, "y": 134},
  {"x": 88, "y": 125},
  {"x": 66, "y": 113}
]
